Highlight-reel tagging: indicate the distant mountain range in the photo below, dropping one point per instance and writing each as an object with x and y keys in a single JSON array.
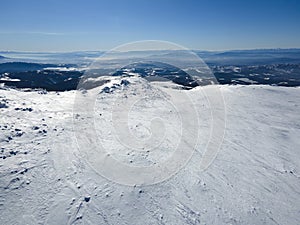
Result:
[
  {"x": 22, "y": 67},
  {"x": 279, "y": 67},
  {"x": 251, "y": 57},
  {"x": 232, "y": 57}
]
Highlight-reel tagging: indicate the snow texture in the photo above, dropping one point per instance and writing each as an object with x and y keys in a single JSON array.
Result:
[{"x": 255, "y": 178}]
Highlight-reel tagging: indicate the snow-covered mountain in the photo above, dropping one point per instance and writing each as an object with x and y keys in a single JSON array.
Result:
[{"x": 48, "y": 175}]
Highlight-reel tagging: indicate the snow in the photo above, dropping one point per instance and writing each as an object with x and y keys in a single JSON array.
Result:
[
  {"x": 245, "y": 79},
  {"x": 5, "y": 78},
  {"x": 237, "y": 69},
  {"x": 48, "y": 177},
  {"x": 62, "y": 69}
]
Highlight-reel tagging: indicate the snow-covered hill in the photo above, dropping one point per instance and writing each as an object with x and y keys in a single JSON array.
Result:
[{"x": 47, "y": 177}]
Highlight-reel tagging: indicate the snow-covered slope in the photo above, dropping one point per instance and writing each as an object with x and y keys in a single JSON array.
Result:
[{"x": 45, "y": 177}]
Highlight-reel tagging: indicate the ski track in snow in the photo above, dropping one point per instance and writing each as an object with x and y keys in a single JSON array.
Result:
[{"x": 254, "y": 179}]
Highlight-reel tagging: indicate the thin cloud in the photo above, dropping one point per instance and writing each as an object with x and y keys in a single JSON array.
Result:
[
  {"x": 56, "y": 33},
  {"x": 32, "y": 32}
]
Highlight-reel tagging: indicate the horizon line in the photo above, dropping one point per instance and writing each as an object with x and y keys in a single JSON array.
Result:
[{"x": 149, "y": 50}]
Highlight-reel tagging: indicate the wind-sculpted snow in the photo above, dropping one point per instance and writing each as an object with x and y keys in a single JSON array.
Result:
[
  {"x": 157, "y": 128},
  {"x": 47, "y": 179}
]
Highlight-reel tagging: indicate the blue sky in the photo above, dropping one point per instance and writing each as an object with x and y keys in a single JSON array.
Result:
[{"x": 57, "y": 25}]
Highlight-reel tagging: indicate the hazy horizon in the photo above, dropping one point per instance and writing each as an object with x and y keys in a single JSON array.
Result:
[{"x": 200, "y": 50}]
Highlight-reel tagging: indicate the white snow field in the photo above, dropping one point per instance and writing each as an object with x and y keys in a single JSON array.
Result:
[{"x": 47, "y": 175}]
